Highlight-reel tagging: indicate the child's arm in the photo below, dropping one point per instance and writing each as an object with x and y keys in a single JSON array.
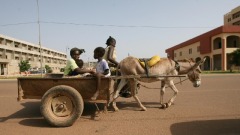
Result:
[
  {"x": 82, "y": 71},
  {"x": 106, "y": 71}
]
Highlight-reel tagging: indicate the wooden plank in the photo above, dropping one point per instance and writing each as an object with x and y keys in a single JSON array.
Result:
[
  {"x": 34, "y": 88},
  {"x": 20, "y": 92}
]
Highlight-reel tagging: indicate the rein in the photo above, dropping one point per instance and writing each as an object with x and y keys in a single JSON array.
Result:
[
  {"x": 177, "y": 67},
  {"x": 194, "y": 74},
  {"x": 180, "y": 82}
]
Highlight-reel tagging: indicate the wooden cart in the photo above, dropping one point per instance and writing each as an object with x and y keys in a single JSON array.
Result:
[{"x": 62, "y": 99}]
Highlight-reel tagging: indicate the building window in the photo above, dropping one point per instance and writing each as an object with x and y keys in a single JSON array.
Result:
[
  {"x": 236, "y": 23},
  {"x": 234, "y": 43},
  {"x": 219, "y": 45},
  {"x": 180, "y": 53},
  {"x": 190, "y": 51},
  {"x": 198, "y": 49},
  {"x": 236, "y": 15}
]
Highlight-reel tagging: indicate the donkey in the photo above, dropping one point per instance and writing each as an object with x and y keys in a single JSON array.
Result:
[{"x": 167, "y": 67}]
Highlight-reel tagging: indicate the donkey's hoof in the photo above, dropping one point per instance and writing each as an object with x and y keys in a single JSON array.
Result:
[
  {"x": 144, "y": 109},
  {"x": 167, "y": 105},
  {"x": 164, "y": 106},
  {"x": 116, "y": 109}
]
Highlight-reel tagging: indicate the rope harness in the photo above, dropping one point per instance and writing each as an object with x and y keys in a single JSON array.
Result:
[
  {"x": 176, "y": 67},
  {"x": 180, "y": 82}
]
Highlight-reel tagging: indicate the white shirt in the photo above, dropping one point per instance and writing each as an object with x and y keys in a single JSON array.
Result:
[{"x": 102, "y": 66}]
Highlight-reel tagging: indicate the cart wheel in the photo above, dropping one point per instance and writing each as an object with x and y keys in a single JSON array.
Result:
[{"x": 62, "y": 106}]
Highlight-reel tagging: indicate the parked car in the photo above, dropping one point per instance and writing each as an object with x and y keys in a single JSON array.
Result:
[{"x": 37, "y": 70}]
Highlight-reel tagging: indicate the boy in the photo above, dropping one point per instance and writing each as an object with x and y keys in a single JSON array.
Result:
[{"x": 102, "y": 69}]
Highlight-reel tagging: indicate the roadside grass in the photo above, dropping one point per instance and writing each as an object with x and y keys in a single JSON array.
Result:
[
  {"x": 15, "y": 77},
  {"x": 221, "y": 72}
]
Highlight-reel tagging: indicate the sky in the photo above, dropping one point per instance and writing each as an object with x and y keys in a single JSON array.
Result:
[{"x": 142, "y": 28}]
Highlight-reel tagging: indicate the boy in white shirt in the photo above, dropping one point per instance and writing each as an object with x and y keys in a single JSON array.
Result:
[{"x": 102, "y": 69}]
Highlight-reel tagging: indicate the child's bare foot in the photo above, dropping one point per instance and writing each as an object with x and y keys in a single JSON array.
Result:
[{"x": 94, "y": 97}]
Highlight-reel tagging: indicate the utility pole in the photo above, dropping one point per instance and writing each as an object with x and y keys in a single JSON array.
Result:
[{"x": 39, "y": 39}]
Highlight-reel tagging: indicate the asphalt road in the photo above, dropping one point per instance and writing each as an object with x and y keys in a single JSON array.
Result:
[{"x": 211, "y": 109}]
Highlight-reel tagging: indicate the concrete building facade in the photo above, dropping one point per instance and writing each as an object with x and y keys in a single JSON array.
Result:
[
  {"x": 215, "y": 45},
  {"x": 233, "y": 17},
  {"x": 12, "y": 51}
]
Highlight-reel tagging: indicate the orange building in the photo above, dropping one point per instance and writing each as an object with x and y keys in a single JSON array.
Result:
[{"x": 215, "y": 45}]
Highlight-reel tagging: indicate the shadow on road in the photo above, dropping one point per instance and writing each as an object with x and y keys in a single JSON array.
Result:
[
  {"x": 30, "y": 110},
  {"x": 133, "y": 106},
  {"x": 31, "y": 115},
  {"x": 207, "y": 127}
]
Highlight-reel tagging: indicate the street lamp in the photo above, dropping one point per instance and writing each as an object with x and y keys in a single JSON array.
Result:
[{"x": 67, "y": 48}]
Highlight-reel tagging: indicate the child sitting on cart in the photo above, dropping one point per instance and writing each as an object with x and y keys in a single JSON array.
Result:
[
  {"x": 102, "y": 69},
  {"x": 72, "y": 68},
  {"x": 79, "y": 63}
]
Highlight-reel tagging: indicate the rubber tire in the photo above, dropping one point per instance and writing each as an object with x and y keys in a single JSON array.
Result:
[{"x": 73, "y": 95}]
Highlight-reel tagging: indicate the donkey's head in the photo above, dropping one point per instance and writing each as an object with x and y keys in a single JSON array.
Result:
[{"x": 194, "y": 73}]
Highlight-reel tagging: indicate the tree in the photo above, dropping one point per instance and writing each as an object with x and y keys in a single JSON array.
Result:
[
  {"x": 235, "y": 57},
  {"x": 24, "y": 65},
  {"x": 62, "y": 70},
  {"x": 48, "y": 69}
]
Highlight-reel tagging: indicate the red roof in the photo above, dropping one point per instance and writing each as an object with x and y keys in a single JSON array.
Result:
[{"x": 205, "y": 39}]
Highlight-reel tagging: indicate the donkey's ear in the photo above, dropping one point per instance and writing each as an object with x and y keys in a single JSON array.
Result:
[
  {"x": 199, "y": 63},
  {"x": 202, "y": 61},
  {"x": 199, "y": 70}
]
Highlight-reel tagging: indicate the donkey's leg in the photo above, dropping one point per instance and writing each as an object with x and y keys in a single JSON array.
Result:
[
  {"x": 122, "y": 83},
  {"x": 133, "y": 85},
  {"x": 175, "y": 90},
  {"x": 139, "y": 103},
  {"x": 162, "y": 91}
]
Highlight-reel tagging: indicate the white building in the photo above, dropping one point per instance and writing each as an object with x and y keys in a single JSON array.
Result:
[
  {"x": 232, "y": 17},
  {"x": 12, "y": 51}
]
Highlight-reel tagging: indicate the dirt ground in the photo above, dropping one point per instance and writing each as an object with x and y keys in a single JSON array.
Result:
[{"x": 211, "y": 109}]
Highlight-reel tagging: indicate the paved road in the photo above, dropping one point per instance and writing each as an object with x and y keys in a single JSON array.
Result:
[{"x": 211, "y": 109}]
